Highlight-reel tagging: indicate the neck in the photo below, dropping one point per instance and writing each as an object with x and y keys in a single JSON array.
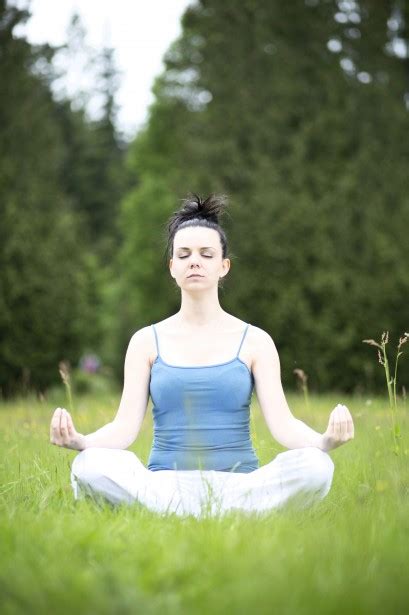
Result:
[{"x": 200, "y": 311}]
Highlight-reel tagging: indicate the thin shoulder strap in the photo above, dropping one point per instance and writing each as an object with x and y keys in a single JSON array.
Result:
[
  {"x": 242, "y": 340},
  {"x": 156, "y": 338}
]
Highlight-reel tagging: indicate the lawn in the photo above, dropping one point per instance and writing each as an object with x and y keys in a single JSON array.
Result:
[{"x": 348, "y": 553}]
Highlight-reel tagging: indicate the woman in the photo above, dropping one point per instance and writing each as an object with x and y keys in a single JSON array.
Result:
[{"x": 200, "y": 367}]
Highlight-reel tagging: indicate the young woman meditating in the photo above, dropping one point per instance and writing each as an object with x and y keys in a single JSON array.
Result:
[{"x": 200, "y": 367}]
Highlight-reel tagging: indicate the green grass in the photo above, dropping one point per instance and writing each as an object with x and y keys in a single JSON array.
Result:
[{"x": 348, "y": 553}]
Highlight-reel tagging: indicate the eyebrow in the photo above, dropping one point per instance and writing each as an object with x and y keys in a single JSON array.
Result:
[{"x": 205, "y": 248}]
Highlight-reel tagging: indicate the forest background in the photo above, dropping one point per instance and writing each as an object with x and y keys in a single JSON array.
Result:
[{"x": 298, "y": 111}]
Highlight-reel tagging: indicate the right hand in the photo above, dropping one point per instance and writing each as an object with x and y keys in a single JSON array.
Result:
[{"x": 63, "y": 432}]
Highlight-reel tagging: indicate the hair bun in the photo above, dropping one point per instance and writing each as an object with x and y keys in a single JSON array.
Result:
[
  {"x": 196, "y": 211},
  {"x": 195, "y": 207}
]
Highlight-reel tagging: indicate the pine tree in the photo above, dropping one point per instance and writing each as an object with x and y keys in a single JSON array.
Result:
[
  {"x": 271, "y": 102},
  {"x": 45, "y": 302}
]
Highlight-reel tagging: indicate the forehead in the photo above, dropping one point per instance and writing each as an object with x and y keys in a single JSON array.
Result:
[{"x": 196, "y": 237}]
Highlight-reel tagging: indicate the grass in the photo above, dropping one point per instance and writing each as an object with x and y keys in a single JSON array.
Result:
[{"x": 347, "y": 553}]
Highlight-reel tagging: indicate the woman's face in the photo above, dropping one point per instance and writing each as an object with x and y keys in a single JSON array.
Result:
[{"x": 197, "y": 250}]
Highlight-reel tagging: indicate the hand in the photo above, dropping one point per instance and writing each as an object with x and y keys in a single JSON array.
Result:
[
  {"x": 63, "y": 433},
  {"x": 340, "y": 428}
]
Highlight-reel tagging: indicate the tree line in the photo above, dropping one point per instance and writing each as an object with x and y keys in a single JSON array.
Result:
[{"x": 298, "y": 111}]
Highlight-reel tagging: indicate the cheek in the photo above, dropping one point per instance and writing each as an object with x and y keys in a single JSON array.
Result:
[{"x": 178, "y": 270}]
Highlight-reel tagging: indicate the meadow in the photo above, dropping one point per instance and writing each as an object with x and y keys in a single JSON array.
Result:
[{"x": 348, "y": 553}]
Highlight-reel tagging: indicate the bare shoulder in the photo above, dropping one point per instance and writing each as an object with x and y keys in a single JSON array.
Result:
[
  {"x": 259, "y": 336},
  {"x": 261, "y": 343},
  {"x": 141, "y": 343},
  {"x": 141, "y": 336}
]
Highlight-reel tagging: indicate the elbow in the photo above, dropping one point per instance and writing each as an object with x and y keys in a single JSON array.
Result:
[
  {"x": 283, "y": 433},
  {"x": 126, "y": 433},
  {"x": 128, "y": 440}
]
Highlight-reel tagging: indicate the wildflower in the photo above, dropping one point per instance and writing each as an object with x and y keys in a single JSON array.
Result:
[{"x": 90, "y": 363}]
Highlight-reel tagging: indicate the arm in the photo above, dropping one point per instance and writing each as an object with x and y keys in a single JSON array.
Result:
[
  {"x": 123, "y": 430},
  {"x": 284, "y": 427}
]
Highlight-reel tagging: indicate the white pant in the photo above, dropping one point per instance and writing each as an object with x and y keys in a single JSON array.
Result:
[{"x": 297, "y": 476}]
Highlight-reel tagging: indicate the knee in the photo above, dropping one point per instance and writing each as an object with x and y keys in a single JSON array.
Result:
[
  {"x": 87, "y": 465},
  {"x": 320, "y": 468},
  {"x": 95, "y": 462}
]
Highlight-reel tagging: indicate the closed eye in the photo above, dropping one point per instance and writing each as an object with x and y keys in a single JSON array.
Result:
[{"x": 205, "y": 255}]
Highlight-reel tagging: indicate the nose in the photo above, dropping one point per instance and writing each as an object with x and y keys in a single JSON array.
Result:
[
  {"x": 193, "y": 261},
  {"x": 194, "y": 264}
]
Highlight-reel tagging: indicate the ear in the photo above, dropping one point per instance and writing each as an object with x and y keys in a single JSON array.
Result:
[{"x": 226, "y": 266}]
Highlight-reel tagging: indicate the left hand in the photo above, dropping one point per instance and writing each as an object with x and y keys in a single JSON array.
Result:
[{"x": 340, "y": 428}]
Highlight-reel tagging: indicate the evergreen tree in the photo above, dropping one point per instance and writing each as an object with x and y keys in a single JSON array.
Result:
[
  {"x": 45, "y": 290},
  {"x": 257, "y": 100},
  {"x": 93, "y": 175}
]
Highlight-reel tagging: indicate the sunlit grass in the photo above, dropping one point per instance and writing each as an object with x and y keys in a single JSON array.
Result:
[{"x": 348, "y": 553}]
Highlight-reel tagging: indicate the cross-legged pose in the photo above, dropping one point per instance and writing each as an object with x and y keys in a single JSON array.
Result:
[{"x": 200, "y": 367}]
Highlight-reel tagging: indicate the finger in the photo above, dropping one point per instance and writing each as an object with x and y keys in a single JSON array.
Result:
[
  {"x": 346, "y": 423},
  {"x": 349, "y": 433},
  {"x": 59, "y": 423},
  {"x": 340, "y": 421},
  {"x": 350, "y": 423},
  {"x": 64, "y": 426},
  {"x": 55, "y": 426},
  {"x": 331, "y": 424},
  {"x": 55, "y": 419},
  {"x": 337, "y": 424},
  {"x": 70, "y": 425}
]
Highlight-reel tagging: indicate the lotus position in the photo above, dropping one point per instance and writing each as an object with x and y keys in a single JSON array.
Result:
[{"x": 200, "y": 367}]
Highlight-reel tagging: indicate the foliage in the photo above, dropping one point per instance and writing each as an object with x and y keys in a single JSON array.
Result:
[
  {"x": 295, "y": 110},
  {"x": 60, "y": 181},
  {"x": 306, "y": 142}
]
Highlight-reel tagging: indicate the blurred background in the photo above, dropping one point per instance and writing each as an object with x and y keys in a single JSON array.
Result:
[{"x": 110, "y": 114}]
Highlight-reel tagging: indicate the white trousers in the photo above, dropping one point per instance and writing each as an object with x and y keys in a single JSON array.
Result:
[{"x": 297, "y": 476}]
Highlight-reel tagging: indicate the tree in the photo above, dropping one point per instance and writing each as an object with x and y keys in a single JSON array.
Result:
[
  {"x": 45, "y": 289},
  {"x": 256, "y": 101}
]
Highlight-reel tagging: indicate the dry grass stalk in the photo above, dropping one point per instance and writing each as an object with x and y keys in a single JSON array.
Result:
[
  {"x": 302, "y": 379},
  {"x": 65, "y": 373},
  {"x": 391, "y": 382}
]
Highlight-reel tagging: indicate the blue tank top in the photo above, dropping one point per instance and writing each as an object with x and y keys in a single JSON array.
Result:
[{"x": 201, "y": 416}]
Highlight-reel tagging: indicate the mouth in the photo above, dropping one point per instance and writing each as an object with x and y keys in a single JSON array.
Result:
[{"x": 195, "y": 275}]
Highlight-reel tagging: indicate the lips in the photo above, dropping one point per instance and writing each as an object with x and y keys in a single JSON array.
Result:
[{"x": 195, "y": 275}]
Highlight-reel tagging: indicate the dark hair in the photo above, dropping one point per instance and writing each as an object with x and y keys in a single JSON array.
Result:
[{"x": 197, "y": 212}]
